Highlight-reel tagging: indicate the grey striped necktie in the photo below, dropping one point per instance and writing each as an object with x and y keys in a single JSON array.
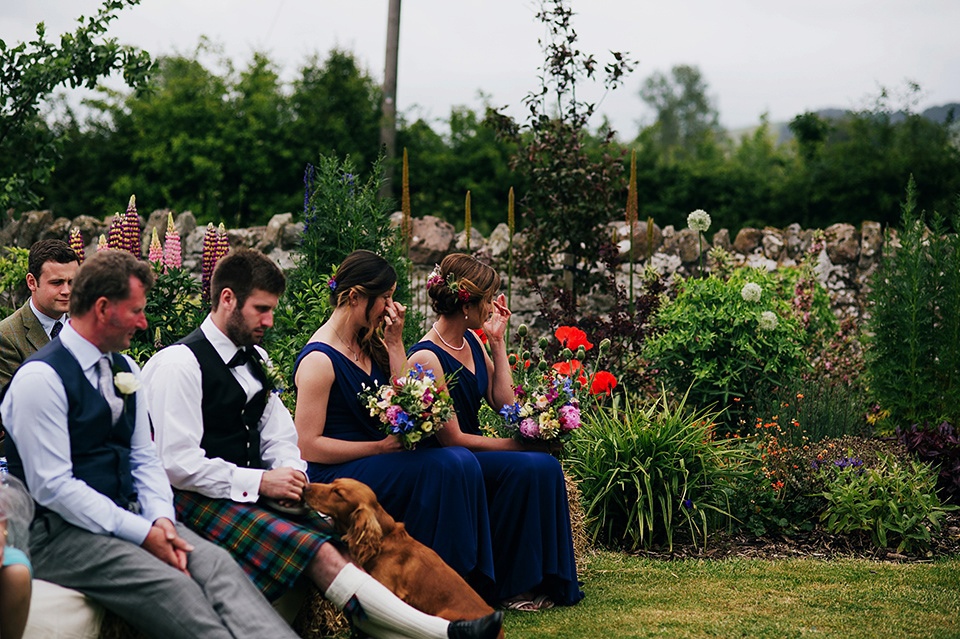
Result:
[{"x": 107, "y": 389}]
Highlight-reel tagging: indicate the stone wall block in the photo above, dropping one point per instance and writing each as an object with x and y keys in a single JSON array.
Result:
[
  {"x": 748, "y": 240},
  {"x": 432, "y": 239},
  {"x": 843, "y": 243}
]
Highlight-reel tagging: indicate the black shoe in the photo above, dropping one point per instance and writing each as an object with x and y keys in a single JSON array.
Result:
[{"x": 483, "y": 628}]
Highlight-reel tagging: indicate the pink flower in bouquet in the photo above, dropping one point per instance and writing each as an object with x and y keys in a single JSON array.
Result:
[
  {"x": 427, "y": 397},
  {"x": 569, "y": 418},
  {"x": 529, "y": 428},
  {"x": 393, "y": 413}
]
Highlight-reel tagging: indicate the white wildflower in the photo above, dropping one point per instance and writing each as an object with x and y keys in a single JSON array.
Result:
[
  {"x": 698, "y": 221},
  {"x": 751, "y": 292},
  {"x": 768, "y": 320}
]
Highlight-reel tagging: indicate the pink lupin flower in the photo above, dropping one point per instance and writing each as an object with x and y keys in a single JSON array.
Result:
[
  {"x": 156, "y": 250},
  {"x": 172, "y": 256},
  {"x": 76, "y": 242},
  {"x": 102, "y": 243}
]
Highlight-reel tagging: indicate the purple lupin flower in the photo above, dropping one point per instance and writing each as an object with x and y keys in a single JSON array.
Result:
[
  {"x": 131, "y": 228},
  {"x": 115, "y": 234},
  {"x": 208, "y": 260},
  {"x": 76, "y": 242}
]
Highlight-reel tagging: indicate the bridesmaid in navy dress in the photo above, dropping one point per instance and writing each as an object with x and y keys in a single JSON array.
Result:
[
  {"x": 526, "y": 491},
  {"x": 437, "y": 492}
]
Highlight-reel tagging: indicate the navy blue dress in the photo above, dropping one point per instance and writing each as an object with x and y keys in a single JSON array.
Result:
[
  {"x": 438, "y": 493},
  {"x": 526, "y": 492}
]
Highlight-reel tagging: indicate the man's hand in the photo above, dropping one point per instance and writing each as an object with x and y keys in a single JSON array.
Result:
[
  {"x": 165, "y": 544},
  {"x": 283, "y": 483}
]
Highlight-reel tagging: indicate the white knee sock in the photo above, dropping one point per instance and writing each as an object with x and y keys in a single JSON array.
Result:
[{"x": 383, "y": 608}]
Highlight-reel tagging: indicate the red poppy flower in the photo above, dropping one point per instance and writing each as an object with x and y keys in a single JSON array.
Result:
[
  {"x": 567, "y": 369},
  {"x": 481, "y": 335},
  {"x": 603, "y": 382},
  {"x": 573, "y": 338}
]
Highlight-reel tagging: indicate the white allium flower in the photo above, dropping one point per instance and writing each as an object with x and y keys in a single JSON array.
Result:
[
  {"x": 751, "y": 292},
  {"x": 699, "y": 220},
  {"x": 768, "y": 320}
]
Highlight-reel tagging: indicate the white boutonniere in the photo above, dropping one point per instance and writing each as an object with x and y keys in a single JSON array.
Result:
[{"x": 126, "y": 383}]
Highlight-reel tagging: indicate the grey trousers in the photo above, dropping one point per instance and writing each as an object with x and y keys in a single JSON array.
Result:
[{"x": 216, "y": 600}]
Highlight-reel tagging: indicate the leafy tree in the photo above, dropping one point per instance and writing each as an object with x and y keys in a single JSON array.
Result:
[
  {"x": 569, "y": 191},
  {"x": 443, "y": 168},
  {"x": 29, "y": 73},
  {"x": 336, "y": 110},
  {"x": 687, "y": 123}
]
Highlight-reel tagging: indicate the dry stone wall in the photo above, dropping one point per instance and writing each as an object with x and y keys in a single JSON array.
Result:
[{"x": 845, "y": 264}]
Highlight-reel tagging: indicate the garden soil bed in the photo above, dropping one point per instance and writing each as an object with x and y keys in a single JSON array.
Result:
[{"x": 815, "y": 544}]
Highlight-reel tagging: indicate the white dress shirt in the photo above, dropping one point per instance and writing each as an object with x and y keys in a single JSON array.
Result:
[
  {"x": 35, "y": 413},
  {"x": 45, "y": 320},
  {"x": 174, "y": 387}
]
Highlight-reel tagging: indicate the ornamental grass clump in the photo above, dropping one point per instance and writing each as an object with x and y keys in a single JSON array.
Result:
[
  {"x": 647, "y": 472},
  {"x": 893, "y": 502},
  {"x": 726, "y": 343}
]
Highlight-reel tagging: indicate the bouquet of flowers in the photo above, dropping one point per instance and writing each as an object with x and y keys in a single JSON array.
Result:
[
  {"x": 412, "y": 406},
  {"x": 546, "y": 410}
]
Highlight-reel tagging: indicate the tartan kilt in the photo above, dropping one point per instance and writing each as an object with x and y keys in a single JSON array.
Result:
[{"x": 272, "y": 550}]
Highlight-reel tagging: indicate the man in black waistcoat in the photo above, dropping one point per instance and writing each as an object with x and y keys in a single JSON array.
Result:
[
  {"x": 105, "y": 524},
  {"x": 229, "y": 445}
]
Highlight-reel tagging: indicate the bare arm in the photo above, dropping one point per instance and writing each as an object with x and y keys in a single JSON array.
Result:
[{"x": 314, "y": 380}]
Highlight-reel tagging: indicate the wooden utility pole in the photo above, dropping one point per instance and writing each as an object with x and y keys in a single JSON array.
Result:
[{"x": 388, "y": 122}]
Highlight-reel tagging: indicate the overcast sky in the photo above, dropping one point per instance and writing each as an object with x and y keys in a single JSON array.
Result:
[{"x": 780, "y": 57}]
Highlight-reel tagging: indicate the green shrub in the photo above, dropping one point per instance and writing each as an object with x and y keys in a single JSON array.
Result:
[
  {"x": 173, "y": 311},
  {"x": 644, "y": 472},
  {"x": 13, "y": 273},
  {"x": 807, "y": 410},
  {"x": 913, "y": 357},
  {"x": 893, "y": 502},
  {"x": 725, "y": 345},
  {"x": 342, "y": 213}
]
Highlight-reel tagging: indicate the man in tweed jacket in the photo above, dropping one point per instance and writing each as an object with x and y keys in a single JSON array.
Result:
[{"x": 51, "y": 267}]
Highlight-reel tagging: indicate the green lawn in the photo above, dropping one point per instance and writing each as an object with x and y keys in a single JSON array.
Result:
[{"x": 632, "y": 597}]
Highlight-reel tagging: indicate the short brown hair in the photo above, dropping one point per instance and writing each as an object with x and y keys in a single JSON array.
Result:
[
  {"x": 242, "y": 271},
  {"x": 107, "y": 274},
  {"x": 477, "y": 280},
  {"x": 44, "y": 251}
]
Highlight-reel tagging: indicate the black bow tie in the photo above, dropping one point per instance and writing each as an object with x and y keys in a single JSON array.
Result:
[{"x": 244, "y": 356}]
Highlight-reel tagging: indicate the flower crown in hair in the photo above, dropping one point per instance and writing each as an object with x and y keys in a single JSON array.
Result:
[
  {"x": 453, "y": 283},
  {"x": 332, "y": 284}
]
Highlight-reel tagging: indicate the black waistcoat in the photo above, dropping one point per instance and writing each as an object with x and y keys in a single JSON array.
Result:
[
  {"x": 230, "y": 423},
  {"x": 99, "y": 450}
]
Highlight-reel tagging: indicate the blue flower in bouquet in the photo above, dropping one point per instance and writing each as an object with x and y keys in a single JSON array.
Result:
[{"x": 412, "y": 406}]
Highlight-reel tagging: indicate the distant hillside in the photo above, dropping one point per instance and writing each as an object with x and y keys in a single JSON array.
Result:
[{"x": 783, "y": 133}]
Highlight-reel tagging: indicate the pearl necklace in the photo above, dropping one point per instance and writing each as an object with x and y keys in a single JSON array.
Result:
[{"x": 447, "y": 344}]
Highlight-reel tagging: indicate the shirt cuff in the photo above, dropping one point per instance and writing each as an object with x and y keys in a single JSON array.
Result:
[
  {"x": 133, "y": 528},
  {"x": 158, "y": 509},
  {"x": 245, "y": 487}
]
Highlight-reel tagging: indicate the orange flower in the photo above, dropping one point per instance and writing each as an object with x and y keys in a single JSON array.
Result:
[
  {"x": 573, "y": 338},
  {"x": 603, "y": 382}
]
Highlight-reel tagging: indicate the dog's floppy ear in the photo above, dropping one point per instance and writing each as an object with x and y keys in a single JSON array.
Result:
[{"x": 365, "y": 535}]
